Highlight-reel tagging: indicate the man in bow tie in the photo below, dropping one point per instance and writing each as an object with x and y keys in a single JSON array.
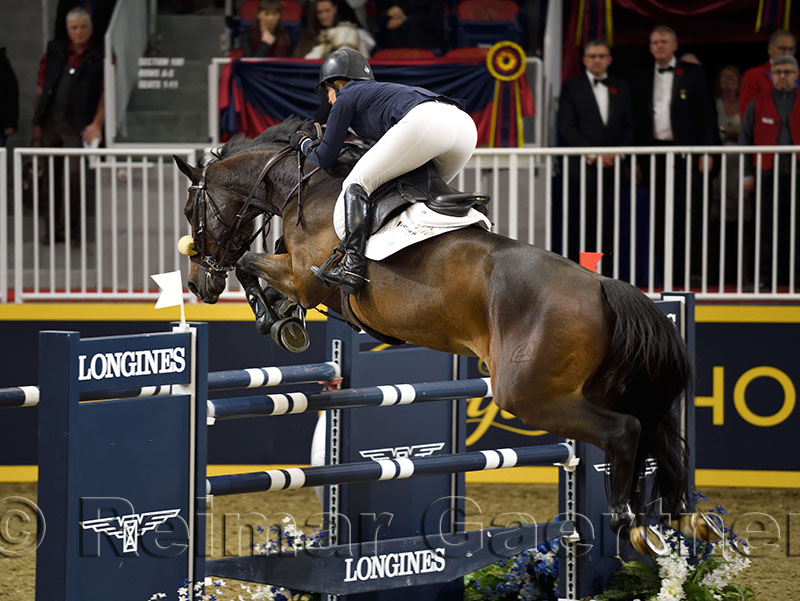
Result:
[
  {"x": 673, "y": 107},
  {"x": 594, "y": 111}
]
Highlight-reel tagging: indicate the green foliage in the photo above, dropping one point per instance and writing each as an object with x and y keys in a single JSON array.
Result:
[
  {"x": 490, "y": 576},
  {"x": 634, "y": 580}
]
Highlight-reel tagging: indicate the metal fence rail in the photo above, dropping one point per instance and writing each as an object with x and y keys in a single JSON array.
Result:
[
  {"x": 121, "y": 212},
  {"x": 3, "y": 225},
  {"x": 718, "y": 237}
]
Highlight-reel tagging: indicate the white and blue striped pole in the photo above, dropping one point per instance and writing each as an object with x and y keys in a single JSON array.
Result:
[
  {"x": 348, "y": 398},
  {"x": 388, "y": 469},
  {"x": 255, "y": 377}
]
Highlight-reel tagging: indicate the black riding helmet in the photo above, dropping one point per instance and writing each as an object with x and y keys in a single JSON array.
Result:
[{"x": 344, "y": 63}]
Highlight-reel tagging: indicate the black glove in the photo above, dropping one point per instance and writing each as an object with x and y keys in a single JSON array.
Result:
[{"x": 297, "y": 138}]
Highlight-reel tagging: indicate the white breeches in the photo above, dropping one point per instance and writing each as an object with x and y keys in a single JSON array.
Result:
[{"x": 433, "y": 130}]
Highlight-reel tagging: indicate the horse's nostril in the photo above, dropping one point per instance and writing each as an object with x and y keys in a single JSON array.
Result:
[{"x": 193, "y": 289}]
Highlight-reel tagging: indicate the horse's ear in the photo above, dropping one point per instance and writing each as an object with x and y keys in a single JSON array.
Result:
[{"x": 191, "y": 172}]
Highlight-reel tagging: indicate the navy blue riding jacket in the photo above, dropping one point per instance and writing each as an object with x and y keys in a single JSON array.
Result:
[{"x": 370, "y": 108}]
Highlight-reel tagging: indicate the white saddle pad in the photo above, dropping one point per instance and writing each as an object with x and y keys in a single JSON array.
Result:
[{"x": 415, "y": 224}]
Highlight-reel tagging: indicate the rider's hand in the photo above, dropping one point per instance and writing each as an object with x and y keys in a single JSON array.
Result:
[{"x": 297, "y": 138}]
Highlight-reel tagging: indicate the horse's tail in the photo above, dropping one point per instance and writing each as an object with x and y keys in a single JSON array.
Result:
[{"x": 646, "y": 368}]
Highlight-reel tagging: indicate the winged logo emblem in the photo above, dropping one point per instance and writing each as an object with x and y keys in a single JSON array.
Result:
[
  {"x": 128, "y": 528},
  {"x": 650, "y": 466},
  {"x": 415, "y": 450}
]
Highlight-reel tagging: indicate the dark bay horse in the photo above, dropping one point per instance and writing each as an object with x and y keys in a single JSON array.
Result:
[{"x": 569, "y": 351}]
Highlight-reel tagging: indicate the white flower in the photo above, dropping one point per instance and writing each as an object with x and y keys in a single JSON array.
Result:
[{"x": 671, "y": 590}]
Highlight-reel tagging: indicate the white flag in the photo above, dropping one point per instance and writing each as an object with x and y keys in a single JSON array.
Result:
[{"x": 171, "y": 284}]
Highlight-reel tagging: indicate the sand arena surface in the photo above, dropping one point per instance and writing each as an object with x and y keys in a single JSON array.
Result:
[{"x": 774, "y": 573}]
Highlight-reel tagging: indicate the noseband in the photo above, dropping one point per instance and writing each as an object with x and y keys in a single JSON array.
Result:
[{"x": 227, "y": 253}]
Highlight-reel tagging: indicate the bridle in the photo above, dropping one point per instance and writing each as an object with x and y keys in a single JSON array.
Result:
[{"x": 227, "y": 252}]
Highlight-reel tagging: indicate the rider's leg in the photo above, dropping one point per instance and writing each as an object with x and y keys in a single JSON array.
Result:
[
  {"x": 349, "y": 274},
  {"x": 428, "y": 131},
  {"x": 450, "y": 163}
]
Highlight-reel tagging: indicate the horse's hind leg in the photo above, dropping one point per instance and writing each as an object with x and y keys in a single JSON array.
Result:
[{"x": 548, "y": 395}]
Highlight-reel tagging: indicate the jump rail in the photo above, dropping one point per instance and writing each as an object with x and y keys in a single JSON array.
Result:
[
  {"x": 351, "y": 398},
  {"x": 390, "y": 469},
  {"x": 253, "y": 377}
]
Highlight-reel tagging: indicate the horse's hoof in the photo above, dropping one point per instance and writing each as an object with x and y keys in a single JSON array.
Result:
[
  {"x": 290, "y": 335},
  {"x": 648, "y": 540},
  {"x": 700, "y": 525},
  {"x": 621, "y": 518},
  {"x": 709, "y": 525}
]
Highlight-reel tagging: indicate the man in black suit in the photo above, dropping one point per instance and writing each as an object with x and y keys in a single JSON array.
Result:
[
  {"x": 594, "y": 110},
  {"x": 673, "y": 107}
]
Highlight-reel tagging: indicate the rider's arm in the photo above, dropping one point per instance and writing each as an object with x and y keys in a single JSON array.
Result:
[{"x": 340, "y": 118}]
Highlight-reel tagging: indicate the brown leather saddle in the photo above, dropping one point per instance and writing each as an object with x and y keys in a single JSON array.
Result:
[{"x": 424, "y": 184}]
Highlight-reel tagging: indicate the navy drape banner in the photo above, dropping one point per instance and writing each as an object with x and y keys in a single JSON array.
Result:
[{"x": 257, "y": 94}]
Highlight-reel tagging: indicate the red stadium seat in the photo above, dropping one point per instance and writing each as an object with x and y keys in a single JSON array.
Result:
[
  {"x": 291, "y": 11},
  {"x": 493, "y": 10},
  {"x": 485, "y": 22},
  {"x": 389, "y": 54},
  {"x": 469, "y": 53},
  {"x": 248, "y": 11}
]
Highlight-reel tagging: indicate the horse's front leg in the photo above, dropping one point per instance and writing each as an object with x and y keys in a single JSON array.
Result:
[
  {"x": 279, "y": 271},
  {"x": 283, "y": 319}
]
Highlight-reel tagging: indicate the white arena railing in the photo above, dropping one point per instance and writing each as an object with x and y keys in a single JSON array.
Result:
[
  {"x": 129, "y": 204},
  {"x": 3, "y": 225},
  {"x": 131, "y": 215}
]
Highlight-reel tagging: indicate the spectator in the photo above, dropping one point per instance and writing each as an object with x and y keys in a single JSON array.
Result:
[
  {"x": 324, "y": 33},
  {"x": 672, "y": 107},
  {"x": 729, "y": 122},
  {"x": 100, "y": 12},
  {"x": 594, "y": 111},
  {"x": 69, "y": 109},
  {"x": 267, "y": 37},
  {"x": 410, "y": 23},
  {"x": 772, "y": 118},
  {"x": 9, "y": 99},
  {"x": 757, "y": 80}
]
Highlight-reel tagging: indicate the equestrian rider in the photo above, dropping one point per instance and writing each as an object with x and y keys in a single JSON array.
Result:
[{"x": 411, "y": 126}]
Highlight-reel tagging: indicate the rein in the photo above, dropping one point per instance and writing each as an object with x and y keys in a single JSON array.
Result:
[{"x": 221, "y": 259}]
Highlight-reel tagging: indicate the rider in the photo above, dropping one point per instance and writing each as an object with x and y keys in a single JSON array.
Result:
[{"x": 411, "y": 126}]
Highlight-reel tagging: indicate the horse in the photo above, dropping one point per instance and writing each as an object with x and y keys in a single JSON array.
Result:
[{"x": 569, "y": 351}]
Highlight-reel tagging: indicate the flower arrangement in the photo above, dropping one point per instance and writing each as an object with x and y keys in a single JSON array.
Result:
[
  {"x": 530, "y": 576},
  {"x": 289, "y": 539},
  {"x": 692, "y": 570}
]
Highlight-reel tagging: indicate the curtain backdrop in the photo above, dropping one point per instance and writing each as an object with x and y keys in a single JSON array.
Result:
[{"x": 256, "y": 94}]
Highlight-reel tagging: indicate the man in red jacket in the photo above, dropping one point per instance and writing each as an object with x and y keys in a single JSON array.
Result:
[
  {"x": 758, "y": 79},
  {"x": 772, "y": 118}
]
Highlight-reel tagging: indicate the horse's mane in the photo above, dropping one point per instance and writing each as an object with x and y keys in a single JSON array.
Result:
[{"x": 277, "y": 134}]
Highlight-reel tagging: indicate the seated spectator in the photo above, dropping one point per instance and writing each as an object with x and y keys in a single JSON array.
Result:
[
  {"x": 324, "y": 33},
  {"x": 9, "y": 99},
  {"x": 410, "y": 23},
  {"x": 758, "y": 80},
  {"x": 267, "y": 37},
  {"x": 771, "y": 119},
  {"x": 69, "y": 106}
]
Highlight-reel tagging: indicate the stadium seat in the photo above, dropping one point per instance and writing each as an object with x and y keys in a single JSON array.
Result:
[
  {"x": 468, "y": 53},
  {"x": 391, "y": 54},
  {"x": 481, "y": 22},
  {"x": 292, "y": 18},
  {"x": 248, "y": 11}
]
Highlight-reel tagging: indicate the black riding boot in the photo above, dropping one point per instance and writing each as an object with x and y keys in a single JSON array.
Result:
[{"x": 349, "y": 274}]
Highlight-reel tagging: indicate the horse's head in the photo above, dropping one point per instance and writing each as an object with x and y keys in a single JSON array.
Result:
[{"x": 222, "y": 229}]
